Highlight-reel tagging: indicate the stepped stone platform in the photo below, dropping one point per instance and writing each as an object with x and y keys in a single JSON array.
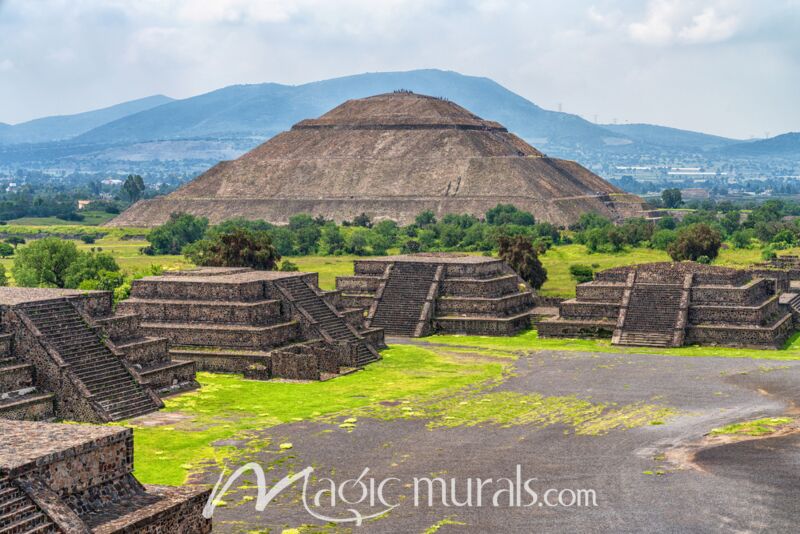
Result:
[
  {"x": 65, "y": 354},
  {"x": 74, "y": 479},
  {"x": 672, "y": 304},
  {"x": 417, "y": 294},
  {"x": 264, "y": 324}
]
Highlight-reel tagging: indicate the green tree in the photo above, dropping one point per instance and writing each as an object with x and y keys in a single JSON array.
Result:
[
  {"x": 672, "y": 198},
  {"x": 358, "y": 241},
  {"x": 425, "y": 219},
  {"x": 239, "y": 247},
  {"x": 362, "y": 220},
  {"x": 180, "y": 230},
  {"x": 44, "y": 262},
  {"x": 288, "y": 266},
  {"x": 509, "y": 214},
  {"x": 519, "y": 254},
  {"x": 15, "y": 241},
  {"x": 694, "y": 241},
  {"x": 741, "y": 238},
  {"x": 89, "y": 266},
  {"x": 663, "y": 238},
  {"x": 331, "y": 240},
  {"x": 6, "y": 250},
  {"x": 133, "y": 187}
]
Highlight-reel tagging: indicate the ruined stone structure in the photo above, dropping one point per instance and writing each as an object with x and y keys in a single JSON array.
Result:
[
  {"x": 65, "y": 354},
  {"x": 391, "y": 156},
  {"x": 77, "y": 479},
  {"x": 418, "y": 294},
  {"x": 261, "y": 323},
  {"x": 672, "y": 304}
]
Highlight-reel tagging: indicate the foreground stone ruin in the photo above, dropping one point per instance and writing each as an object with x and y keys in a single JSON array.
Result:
[
  {"x": 65, "y": 354},
  {"x": 672, "y": 304},
  {"x": 418, "y": 294},
  {"x": 265, "y": 324},
  {"x": 77, "y": 479}
]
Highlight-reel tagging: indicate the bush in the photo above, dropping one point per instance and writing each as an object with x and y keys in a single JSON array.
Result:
[
  {"x": 411, "y": 246},
  {"x": 239, "y": 247},
  {"x": 695, "y": 241},
  {"x": 581, "y": 273},
  {"x": 662, "y": 239},
  {"x": 6, "y": 250},
  {"x": 509, "y": 214},
  {"x": 99, "y": 267},
  {"x": 3, "y": 276},
  {"x": 182, "y": 229},
  {"x": 288, "y": 266},
  {"x": 519, "y": 254},
  {"x": 88, "y": 239}
]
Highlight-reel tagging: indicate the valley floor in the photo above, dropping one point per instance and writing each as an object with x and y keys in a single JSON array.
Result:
[{"x": 634, "y": 428}]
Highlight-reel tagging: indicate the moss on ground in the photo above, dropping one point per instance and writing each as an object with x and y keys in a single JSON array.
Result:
[
  {"x": 759, "y": 427},
  {"x": 228, "y": 407}
]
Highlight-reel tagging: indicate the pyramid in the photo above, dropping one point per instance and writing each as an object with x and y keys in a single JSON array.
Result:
[{"x": 391, "y": 156}]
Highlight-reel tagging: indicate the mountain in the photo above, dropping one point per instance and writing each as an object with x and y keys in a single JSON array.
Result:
[
  {"x": 785, "y": 145},
  {"x": 669, "y": 137},
  {"x": 263, "y": 110},
  {"x": 63, "y": 127}
]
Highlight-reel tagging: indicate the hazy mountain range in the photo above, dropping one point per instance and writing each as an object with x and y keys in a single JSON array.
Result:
[{"x": 226, "y": 122}]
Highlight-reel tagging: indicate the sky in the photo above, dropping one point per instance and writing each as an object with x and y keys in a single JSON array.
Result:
[{"x": 728, "y": 67}]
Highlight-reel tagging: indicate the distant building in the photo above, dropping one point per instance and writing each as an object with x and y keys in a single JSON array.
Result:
[
  {"x": 111, "y": 181},
  {"x": 83, "y": 203}
]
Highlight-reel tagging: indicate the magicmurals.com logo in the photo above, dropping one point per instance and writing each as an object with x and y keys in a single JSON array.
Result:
[{"x": 358, "y": 499}]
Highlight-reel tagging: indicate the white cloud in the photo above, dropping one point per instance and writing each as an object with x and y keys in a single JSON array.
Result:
[
  {"x": 6, "y": 65},
  {"x": 686, "y": 21}
]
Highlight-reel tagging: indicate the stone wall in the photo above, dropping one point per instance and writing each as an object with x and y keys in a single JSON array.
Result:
[
  {"x": 752, "y": 315},
  {"x": 482, "y": 327},
  {"x": 500, "y": 306},
  {"x": 575, "y": 309},
  {"x": 600, "y": 292},
  {"x": 752, "y": 293},
  {"x": 742, "y": 336},
  {"x": 489, "y": 288}
]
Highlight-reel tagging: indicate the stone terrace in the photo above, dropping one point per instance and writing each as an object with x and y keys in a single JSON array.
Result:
[
  {"x": 671, "y": 304},
  {"x": 418, "y": 294},
  {"x": 78, "y": 479},
  {"x": 65, "y": 354},
  {"x": 261, "y": 323}
]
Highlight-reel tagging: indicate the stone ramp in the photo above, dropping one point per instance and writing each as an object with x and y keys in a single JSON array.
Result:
[
  {"x": 651, "y": 316},
  {"x": 327, "y": 320},
  {"x": 113, "y": 387},
  {"x": 19, "y": 514},
  {"x": 404, "y": 295}
]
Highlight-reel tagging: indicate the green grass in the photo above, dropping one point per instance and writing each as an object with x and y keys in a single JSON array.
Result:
[
  {"x": 228, "y": 406},
  {"x": 328, "y": 267},
  {"x": 91, "y": 218},
  {"x": 530, "y": 340},
  {"x": 759, "y": 427}
]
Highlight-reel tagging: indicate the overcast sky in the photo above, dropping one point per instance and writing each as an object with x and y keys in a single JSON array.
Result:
[{"x": 730, "y": 67}]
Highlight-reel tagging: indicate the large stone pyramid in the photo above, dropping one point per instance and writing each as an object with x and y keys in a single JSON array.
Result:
[{"x": 390, "y": 156}]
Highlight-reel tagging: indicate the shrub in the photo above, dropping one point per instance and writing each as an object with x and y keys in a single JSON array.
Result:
[
  {"x": 6, "y": 250},
  {"x": 44, "y": 262},
  {"x": 695, "y": 241},
  {"x": 581, "y": 273},
  {"x": 239, "y": 247},
  {"x": 88, "y": 239},
  {"x": 288, "y": 266}
]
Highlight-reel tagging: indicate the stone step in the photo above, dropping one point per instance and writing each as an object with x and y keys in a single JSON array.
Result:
[{"x": 243, "y": 336}]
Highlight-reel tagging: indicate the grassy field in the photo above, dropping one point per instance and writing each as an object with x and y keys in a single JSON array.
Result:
[
  {"x": 90, "y": 218},
  {"x": 531, "y": 341}
]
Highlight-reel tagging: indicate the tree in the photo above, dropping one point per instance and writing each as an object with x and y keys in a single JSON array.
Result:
[
  {"x": 425, "y": 219},
  {"x": 519, "y": 254},
  {"x": 509, "y": 214},
  {"x": 662, "y": 239},
  {"x": 671, "y": 197},
  {"x": 694, "y": 241},
  {"x": 15, "y": 241},
  {"x": 239, "y": 247},
  {"x": 6, "y": 250},
  {"x": 180, "y": 230},
  {"x": 90, "y": 266},
  {"x": 288, "y": 266},
  {"x": 358, "y": 241},
  {"x": 362, "y": 220},
  {"x": 741, "y": 238},
  {"x": 44, "y": 262},
  {"x": 331, "y": 240},
  {"x": 133, "y": 187}
]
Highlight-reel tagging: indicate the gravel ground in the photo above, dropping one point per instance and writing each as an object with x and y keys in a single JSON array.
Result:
[{"x": 745, "y": 486}]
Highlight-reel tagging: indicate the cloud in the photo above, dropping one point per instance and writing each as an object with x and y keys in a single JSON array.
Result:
[
  {"x": 688, "y": 22},
  {"x": 6, "y": 65}
]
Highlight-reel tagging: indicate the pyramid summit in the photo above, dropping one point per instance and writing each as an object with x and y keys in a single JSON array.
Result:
[{"x": 391, "y": 156}]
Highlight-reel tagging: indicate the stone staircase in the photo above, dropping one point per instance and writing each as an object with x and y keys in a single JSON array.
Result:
[
  {"x": 114, "y": 388},
  {"x": 404, "y": 297},
  {"x": 652, "y": 315},
  {"x": 19, "y": 514},
  {"x": 328, "y": 321},
  {"x": 20, "y": 398}
]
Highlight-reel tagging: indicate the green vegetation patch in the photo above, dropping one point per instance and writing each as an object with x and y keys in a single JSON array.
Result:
[
  {"x": 530, "y": 341},
  {"x": 759, "y": 427},
  {"x": 228, "y": 407},
  {"x": 507, "y": 408}
]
